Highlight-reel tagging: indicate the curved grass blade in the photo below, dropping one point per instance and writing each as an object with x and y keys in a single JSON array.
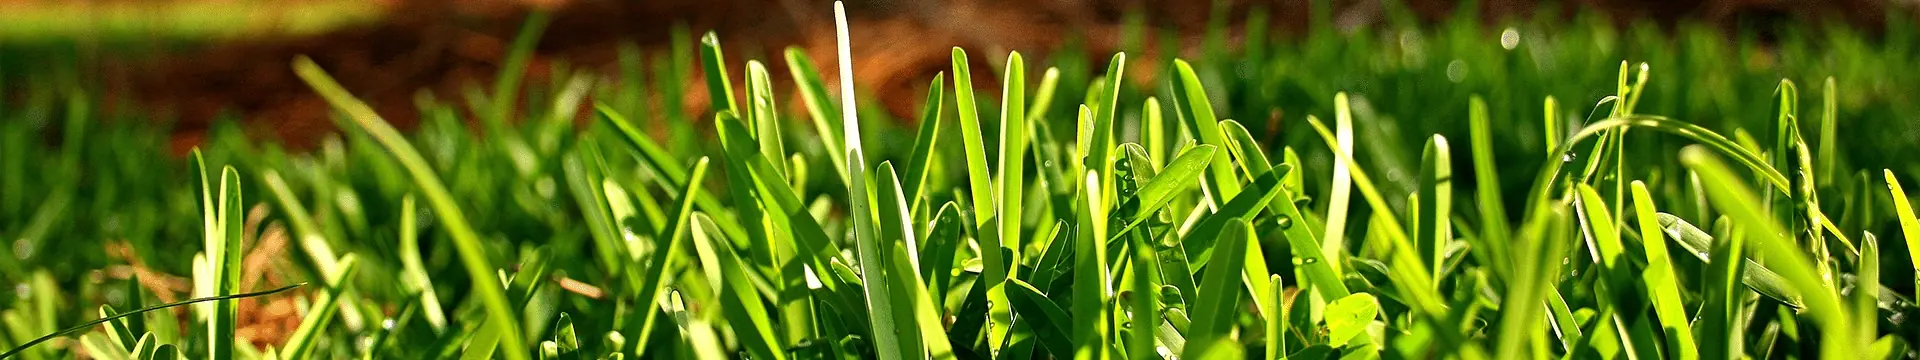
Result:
[
  {"x": 1493, "y": 213},
  {"x": 924, "y": 145},
  {"x": 1178, "y": 176},
  {"x": 813, "y": 91},
  {"x": 924, "y": 316},
  {"x": 1732, "y": 196},
  {"x": 714, "y": 63},
  {"x": 1190, "y": 103},
  {"x": 1753, "y": 274},
  {"x": 1433, "y": 226},
  {"x": 466, "y": 241}
]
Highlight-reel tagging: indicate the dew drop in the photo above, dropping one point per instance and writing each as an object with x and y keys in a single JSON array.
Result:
[
  {"x": 1510, "y": 38},
  {"x": 1456, "y": 70}
]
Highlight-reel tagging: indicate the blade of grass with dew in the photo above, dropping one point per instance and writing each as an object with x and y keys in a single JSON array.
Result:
[
  {"x": 300, "y": 345},
  {"x": 739, "y": 300},
  {"x": 466, "y": 241},
  {"x": 1659, "y": 279},
  {"x": 923, "y": 146},
  {"x": 1732, "y": 196},
  {"x": 1176, "y": 178},
  {"x": 1909, "y": 225},
  {"x": 1220, "y": 292},
  {"x": 944, "y": 237}
]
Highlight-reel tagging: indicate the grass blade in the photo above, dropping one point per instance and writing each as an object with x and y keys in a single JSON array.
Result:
[
  {"x": 465, "y": 240},
  {"x": 1659, "y": 279},
  {"x": 324, "y": 308},
  {"x": 1090, "y": 284},
  {"x": 1909, "y": 225},
  {"x": 1220, "y": 292}
]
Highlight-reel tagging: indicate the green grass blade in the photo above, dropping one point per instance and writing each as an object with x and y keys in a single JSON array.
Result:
[
  {"x": 739, "y": 300},
  {"x": 926, "y": 321},
  {"x": 1009, "y": 187},
  {"x": 1100, "y": 149},
  {"x": 1659, "y": 279},
  {"x": 1486, "y": 175},
  {"x": 1145, "y": 309},
  {"x": 872, "y": 261},
  {"x": 1753, "y": 274},
  {"x": 1046, "y": 316},
  {"x": 897, "y": 231},
  {"x": 224, "y": 253},
  {"x": 1190, "y": 103},
  {"x": 719, "y": 87},
  {"x": 1433, "y": 226},
  {"x": 1090, "y": 284},
  {"x": 654, "y": 279},
  {"x": 813, "y": 92},
  {"x": 300, "y": 345},
  {"x": 1220, "y": 292},
  {"x": 923, "y": 146},
  {"x": 142, "y": 311},
  {"x": 465, "y": 240},
  {"x": 1611, "y": 292},
  {"x": 1909, "y": 225},
  {"x": 765, "y": 115},
  {"x": 506, "y": 86},
  {"x": 1409, "y": 273},
  {"x": 413, "y": 270},
  {"x": 1178, "y": 176},
  {"x": 1341, "y": 197}
]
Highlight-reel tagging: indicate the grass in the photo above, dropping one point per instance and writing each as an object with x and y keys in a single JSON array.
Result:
[{"x": 1202, "y": 210}]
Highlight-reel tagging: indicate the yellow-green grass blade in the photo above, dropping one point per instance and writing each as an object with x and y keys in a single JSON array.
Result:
[
  {"x": 669, "y": 166},
  {"x": 1909, "y": 225},
  {"x": 466, "y": 241},
  {"x": 780, "y": 200},
  {"x": 741, "y": 188},
  {"x": 1611, "y": 291},
  {"x": 1542, "y": 183},
  {"x": 1190, "y": 104},
  {"x": 897, "y": 231},
  {"x": 919, "y": 163},
  {"x": 872, "y": 261},
  {"x": 1659, "y": 279},
  {"x": 1408, "y": 272},
  {"x": 413, "y": 270},
  {"x": 224, "y": 253},
  {"x": 1100, "y": 148},
  {"x": 763, "y": 114},
  {"x": 1090, "y": 284},
  {"x": 714, "y": 63},
  {"x": 739, "y": 300},
  {"x": 1341, "y": 194},
  {"x": 1866, "y": 294},
  {"x": 925, "y": 318},
  {"x": 1732, "y": 196},
  {"x": 1179, "y": 175},
  {"x": 301, "y": 344},
  {"x": 655, "y": 271},
  {"x": 1434, "y": 222},
  {"x": 813, "y": 92}
]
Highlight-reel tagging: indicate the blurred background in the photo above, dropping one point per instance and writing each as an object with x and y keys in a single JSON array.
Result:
[{"x": 188, "y": 63}]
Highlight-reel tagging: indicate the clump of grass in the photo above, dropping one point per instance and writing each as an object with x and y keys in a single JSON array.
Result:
[{"x": 1108, "y": 233}]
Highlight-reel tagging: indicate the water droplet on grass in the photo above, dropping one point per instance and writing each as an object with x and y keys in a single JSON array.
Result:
[{"x": 1510, "y": 38}]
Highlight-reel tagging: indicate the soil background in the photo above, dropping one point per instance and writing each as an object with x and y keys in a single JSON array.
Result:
[{"x": 444, "y": 45}]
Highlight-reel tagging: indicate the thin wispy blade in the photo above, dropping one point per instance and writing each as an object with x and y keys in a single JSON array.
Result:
[{"x": 849, "y": 116}]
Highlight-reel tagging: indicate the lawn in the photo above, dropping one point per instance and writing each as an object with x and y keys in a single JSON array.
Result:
[{"x": 1541, "y": 189}]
